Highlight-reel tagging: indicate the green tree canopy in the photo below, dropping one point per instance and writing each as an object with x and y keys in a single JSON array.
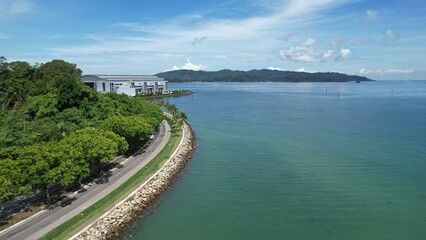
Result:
[
  {"x": 12, "y": 179},
  {"x": 54, "y": 129},
  {"x": 41, "y": 106},
  {"x": 56, "y": 67},
  {"x": 135, "y": 129},
  {"x": 15, "y": 84},
  {"x": 43, "y": 167},
  {"x": 96, "y": 146}
]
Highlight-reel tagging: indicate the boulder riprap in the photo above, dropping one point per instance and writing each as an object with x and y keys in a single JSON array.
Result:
[{"x": 118, "y": 219}]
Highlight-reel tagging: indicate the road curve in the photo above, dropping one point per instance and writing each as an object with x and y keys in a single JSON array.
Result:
[{"x": 45, "y": 221}]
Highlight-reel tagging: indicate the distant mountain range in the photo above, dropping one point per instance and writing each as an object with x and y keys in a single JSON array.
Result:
[{"x": 264, "y": 75}]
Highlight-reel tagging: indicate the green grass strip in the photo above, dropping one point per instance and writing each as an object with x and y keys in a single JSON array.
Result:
[{"x": 72, "y": 226}]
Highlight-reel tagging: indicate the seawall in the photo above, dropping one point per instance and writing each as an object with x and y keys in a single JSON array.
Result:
[{"x": 118, "y": 219}]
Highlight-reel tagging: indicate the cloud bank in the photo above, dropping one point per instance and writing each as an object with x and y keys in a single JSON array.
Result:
[
  {"x": 188, "y": 66},
  {"x": 275, "y": 68},
  {"x": 364, "y": 71},
  {"x": 345, "y": 53},
  {"x": 306, "y": 52}
]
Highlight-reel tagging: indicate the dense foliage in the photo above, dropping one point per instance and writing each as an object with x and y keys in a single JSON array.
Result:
[
  {"x": 56, "y": 130},
  {"x": 263, "y": 75}
]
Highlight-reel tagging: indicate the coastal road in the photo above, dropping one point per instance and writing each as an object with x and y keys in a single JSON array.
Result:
[{"x": 45, "y": 221}]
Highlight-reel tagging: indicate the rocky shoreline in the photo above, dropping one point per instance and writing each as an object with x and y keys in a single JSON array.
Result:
[{"x": 116, "y": 221}]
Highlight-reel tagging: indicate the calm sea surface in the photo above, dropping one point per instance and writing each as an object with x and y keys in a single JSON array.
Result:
[{"x": 288, "y": 161}]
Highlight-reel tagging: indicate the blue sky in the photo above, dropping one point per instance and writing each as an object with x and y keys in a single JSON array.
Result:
[{"x": 378, "y": 39}]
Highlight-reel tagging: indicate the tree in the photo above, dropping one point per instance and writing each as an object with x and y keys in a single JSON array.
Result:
[
  {"x": 264, "y": 75},
  {"x": 70, "y": 120},
  {"x": 135, "y": 129},
  {"x": 96, "y": 146},
  {"x": 42, "y": 106},
  {"x": 73, "y": 167},
  {"x": 12, "y": 180},
  {"x": 6, "y": 188},
  {"x": 16, "y": 132},
  {"x": 56, "y": 67},
  {"x": 176, "y": 116},
  {"x": 42, "y": 167},
  {"x": 183, "y": 116},
  {"x": 105, "y": 107},
  {"x": 69, "y": 91},
  {"x": 21, "y": 70},
  {"x": 15, "y": 84},
  {"x": 46, "y": 130},
  {"x": 46, "y": 119}
]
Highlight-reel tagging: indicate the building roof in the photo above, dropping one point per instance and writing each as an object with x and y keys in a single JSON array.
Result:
[{"x": 110, "y": 77}]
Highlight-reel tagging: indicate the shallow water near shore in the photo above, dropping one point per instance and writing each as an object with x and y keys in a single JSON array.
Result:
[{"x": 288, "y": 161}]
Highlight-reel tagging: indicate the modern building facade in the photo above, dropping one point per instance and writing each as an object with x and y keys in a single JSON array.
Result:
[{"x": 127, "y": 84}]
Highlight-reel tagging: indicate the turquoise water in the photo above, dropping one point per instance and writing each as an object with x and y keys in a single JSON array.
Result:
[{"x": 288, "y": 161}]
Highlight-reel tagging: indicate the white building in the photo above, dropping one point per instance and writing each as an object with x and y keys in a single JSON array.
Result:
[{"x": 128, "y": 84}]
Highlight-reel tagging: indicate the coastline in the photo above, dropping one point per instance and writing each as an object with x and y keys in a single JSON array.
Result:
[
  {"x": 169, "y": 95},
  {"x": 116, "y": 221}
]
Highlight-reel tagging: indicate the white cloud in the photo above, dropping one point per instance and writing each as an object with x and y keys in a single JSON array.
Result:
[
  {"x": 391, "y": 71},
  {"x": 345, "y": 53},
  {"x": 310, "y": 42},
  {"x": 296, "y": 7},
  {"x": 301, "y": 53},
  {"x": 188, "y": 66},
  {"x": 327, "y": 54},
  {"x": 275, "y": 68},
  {"x": 305, "y": 53},
  {"x": 301, "y": 70},
  {"x": 399, "y": 71},
  {"x": 372, "y": 14},
  {"x": 391, "y": 36},
  {"x": 364, "y": 71},
  {"x": 173, "y": 33},
  {"x": 226, "y": 37}
]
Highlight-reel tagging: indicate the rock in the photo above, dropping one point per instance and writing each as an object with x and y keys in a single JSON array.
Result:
[{"x": 110, "y": 226}]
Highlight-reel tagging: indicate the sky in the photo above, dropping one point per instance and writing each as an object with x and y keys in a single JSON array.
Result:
[{"x": 379, "y": 39}]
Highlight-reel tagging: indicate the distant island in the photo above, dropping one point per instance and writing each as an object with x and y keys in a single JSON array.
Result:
[{"x": 264, "y": 75}]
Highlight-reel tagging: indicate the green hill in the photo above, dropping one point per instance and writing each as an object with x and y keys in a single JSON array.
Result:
[{"x": 263, "y": 75}]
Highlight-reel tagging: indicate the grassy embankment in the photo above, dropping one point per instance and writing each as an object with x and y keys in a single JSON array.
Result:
[{"x": 78, "y": 222}]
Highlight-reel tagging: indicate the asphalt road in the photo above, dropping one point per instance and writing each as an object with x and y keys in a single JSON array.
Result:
[{"x": 45, "y": 221}]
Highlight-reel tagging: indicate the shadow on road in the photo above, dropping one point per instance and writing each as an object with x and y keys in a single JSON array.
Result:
[
  {"x": 67, "y": 201},
  {"x": 104, "y": 178}
]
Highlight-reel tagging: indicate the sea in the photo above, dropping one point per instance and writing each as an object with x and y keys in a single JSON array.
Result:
[{"x": 299, "y": 161}]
